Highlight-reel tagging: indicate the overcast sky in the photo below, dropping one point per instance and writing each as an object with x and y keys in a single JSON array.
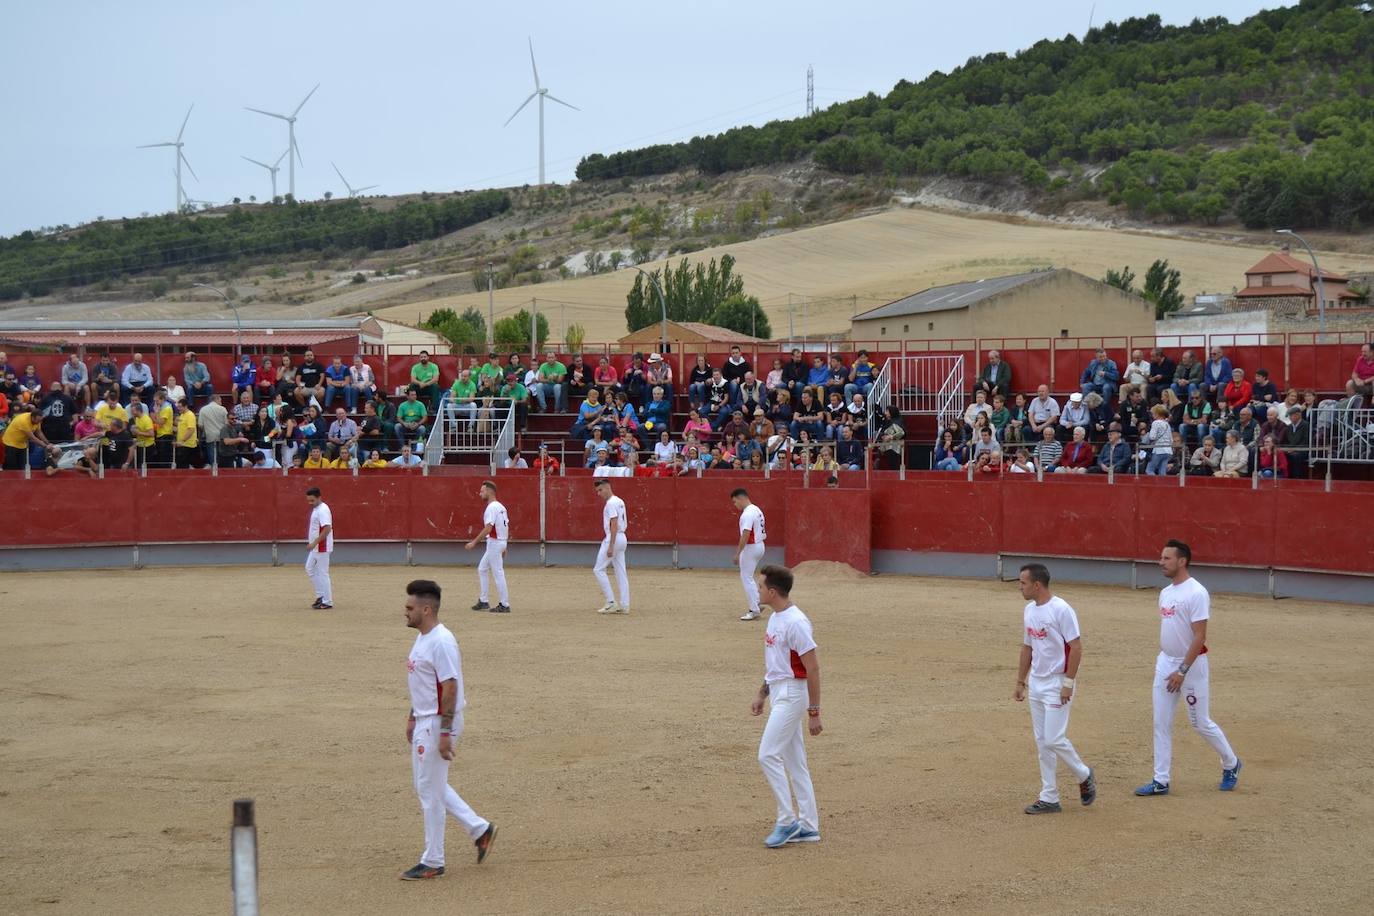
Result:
[{"x": 413, "y": 94}]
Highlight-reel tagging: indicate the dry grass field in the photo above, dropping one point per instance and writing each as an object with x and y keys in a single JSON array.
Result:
[
  {"x": 883, "y": 257},
  {"x": 617, "y": 755}
]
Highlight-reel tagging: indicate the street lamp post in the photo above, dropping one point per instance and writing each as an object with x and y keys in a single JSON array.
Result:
[
  {"x": 237, "y": 321},
  {"x": 663, "y": 306},
  {"x": 1321, "y": 287}
]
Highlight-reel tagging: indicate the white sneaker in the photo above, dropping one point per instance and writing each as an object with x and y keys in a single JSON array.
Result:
[
  {"x": 620, "y": 609},
  {"x": 751, "y": 615},
  {"x": 608, "y": 608}
]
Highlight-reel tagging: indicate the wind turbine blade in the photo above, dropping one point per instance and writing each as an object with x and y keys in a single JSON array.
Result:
[
  {"x": 366, "y": 187},
  {"x": 188, "y": 165},
  {"x": 532, "y": 66},
  {"x": 256, "y": 162},
  {"x": 280, "y": 158},
  {"x": 341, "y": 178},
  {"x": 152, "y": 145},
  {"x": 561, "y": 102},
  {"x": 298, "y": 153},
  {"x": 183, "y": 122},
  {"x": 270, "y": 114},
  {"x": 522, "y": 107},
  {"x": 304, "y": 100}
]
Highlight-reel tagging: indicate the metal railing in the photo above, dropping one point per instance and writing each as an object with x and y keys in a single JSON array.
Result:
[
  {"x": 471, "y": 429},
  {"x": 1343, "y": 435},
  {"x": 920, "y": 385}
]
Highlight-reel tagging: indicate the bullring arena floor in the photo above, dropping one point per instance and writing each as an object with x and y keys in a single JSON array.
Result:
[{"x": 617, "y": 755}]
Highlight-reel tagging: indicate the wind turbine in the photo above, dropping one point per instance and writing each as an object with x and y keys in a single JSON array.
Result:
[
  {"x": 352, "y": 191},
  {"x": 272, "y": 169},
  {"x": 542, "y": 93},
  {"x": 293, "y": 151},
  {"x": 181, "y": 157}
]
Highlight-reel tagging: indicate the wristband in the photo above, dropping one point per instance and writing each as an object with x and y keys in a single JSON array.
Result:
[
  {"x": 814, "y": 713},
  {"x": 1182, "y": 670},
  {"x": 1066, "y": 682},
  {"x": 444, "y": 731}
]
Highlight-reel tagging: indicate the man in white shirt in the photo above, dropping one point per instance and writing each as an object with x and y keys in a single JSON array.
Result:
[
  {"x": 612, "y": 550},
  {"x": 319, "y": 550},
  {"x": 514, "y": 459},
  {"x": 435, "y": 677},
  {"x": 792, "y": 685},
  {"x": 407, "y": 458},
  {"x": 1182, "y": 670},
  {"x": 1043, "y": 411},
  {"x": 137, "y": 378},
  {"x": 496, "y": 531},
  {"x": 749, "y": 551},
  {"x": 1051, "y": 649},
  {"x": 1137, "y": 375}
]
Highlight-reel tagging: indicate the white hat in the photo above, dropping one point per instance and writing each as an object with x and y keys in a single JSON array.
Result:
[
  {"x": 1076, "y": 397},
  {"x": 655, "y": 358}
]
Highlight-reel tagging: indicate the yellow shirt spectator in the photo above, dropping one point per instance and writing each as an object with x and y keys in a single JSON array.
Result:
[
  {"x": 187, "y": 433},
  {"x": 163, "y": 420},
  {"x": 107, "y": 412},
  {"x": 143, "y": 430},
  {"x": 20, "y": 430},
  {"x": 317, "y": 463},
  {"x": 374, "y": 463}
]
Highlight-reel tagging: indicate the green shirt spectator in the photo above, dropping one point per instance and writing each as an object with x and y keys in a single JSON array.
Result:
[
  {"x": 552, "y": 371},
  {"x": 411, "y": 411},
  {"x": 424, "y": 373},
  {"x": 549, "y": 381},
  {"x": 463, "y": 389},
  {"x": 492, "y": 367}
]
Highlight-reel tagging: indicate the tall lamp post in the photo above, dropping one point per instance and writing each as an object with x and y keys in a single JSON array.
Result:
[
  {"x": 663, "y": 306},
  {"x": 237, "y": 321},
  {"x": 1321, "y": 287}
]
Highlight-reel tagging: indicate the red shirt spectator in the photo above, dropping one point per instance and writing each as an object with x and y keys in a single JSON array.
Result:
[
  {"x": 546, "y": 463},
  {"x": 1238, "y": 392}
]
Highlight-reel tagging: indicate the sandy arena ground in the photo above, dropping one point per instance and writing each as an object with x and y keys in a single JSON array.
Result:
[{"x": 617, "y": 755}]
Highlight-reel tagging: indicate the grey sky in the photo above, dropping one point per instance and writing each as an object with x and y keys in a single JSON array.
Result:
[{"x": 414, "y": 94}]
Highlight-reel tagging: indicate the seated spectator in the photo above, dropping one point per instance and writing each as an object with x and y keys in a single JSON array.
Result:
[
  {"x": 994, "y": 378},
  {"x": 778, "y": 450},
  {"x": 1173, "y": 405},
  {"x": 834, "y": 415},
  {"x": 1115, "y": 456},
  {"x": 735, "y": 366},
  {"x": 756, "y": 460},
  {"x": 262, "y": 430},
  {"x": 514, "y": 460},
  {"x": 518, "y": 395},
  {"x": 74, "y": 378},
  {"x": 1216, "y": 374},
  {"x": 720, "y": 398},
  {"x": 1363, "y": 373},
  {"x": 1100, "y": 375},
  {"x": 1223, "y": 418},
  {"x": 980, "y": 405},
  {"x": 826, "y": 460},
  {"x": 760, "y": 427},
  {"x": 1077, "y": 456},
  {"x": 109, "y": 410},
  {"x": 1048, "y": 449},
  {"x": 625, "y": 445},
  {"x": 1297, "y": 441},
  {"x": 137, "y": 378},
  {"x": 1235, "y": 457},
  {"x": 316, "y": 460},
  {"x": 1042, "y": 413},
  {"x": 244, "y": 377},
  {"x": 773, "y": 383},
  {"x": 362, "y": 383},
  {"x": 1196, "y": 420},
  {"x": 606, "y": 377},
  {"x": 1273, "y": 425},
  {"x": 949, "y": 454},
  {"x": 1162, "y": 370},
  {"x": 818, "y": 375},
  {"x": 1177, "y": 455},
  {"x": 310, "y": 382},
  {"x": 849, "y": 451},
  {"x": 780, "y": 413},
  {"x": 117, "y": 446},
  {"x": 891, "y": 439},
  {"x": 579, "y": 379},
  {"x": 105, "y": 375},
  {"x": 856, "y": 416},
  {"x": 344, "y": 433},
  {"x": 1075, "y": 415},
  {"x": 235, "y": 448},
  {"x": 1100, "y": 416},
  {"x": 1264, "y": 392},
  {"x": 244, "y": 408},
  {"x": 999, "y": 417},
  {"x": 462, "y": 396},
  {"x": 1271, "y": 460},
  {"x": 338, "y": 383},
  {"x": 659, "y": 374},
  {"x": 424, "y": 378},
  {"x": 1135, "y": 375},
  {"x": 174, "y": 391},
  {"x": 804, "y": 449},
  {"x": 633, "y": 379},
  {"x": 860, "y": 376},
  {"x": 1247, "y": 428},
  {"x": 696, "y": 426},
  {"x": 809, "y": 416},
  {"x": 1159, "y": 441},
  {"x": 1238, "y": 392},
  {"x": 658, "y": 412},
  {"x": 286, "y": 376},
  {"x": 407, "y": 458},
  {"x": 987, "y": 451},
  {"x": 1291, "y": 399},
  {"x": 1206, "y": 459},
  {"x": 694, "y": 462},
  {"x": 746, "y": 446},
  {"x": 197, "y": 379},
  {"x": 1017, "y": 419},
  {"x": 591, "y": 414},
  {"x": 595, "y": 445},
  {"x": 794, "y": 375},
  {"x": 1187, "y": 377},
  {"x": 410, "y": 418},
  {"x": 980, "y": 423},
  {"x": 697, "y": 380},
  {"x": 1021, "y": 463},
  {"x": 544, "y": 462},
  {"x": 837, "y": 376},
  {"x": 750, "y": 394},
  {"x": 374, "y": 460}
]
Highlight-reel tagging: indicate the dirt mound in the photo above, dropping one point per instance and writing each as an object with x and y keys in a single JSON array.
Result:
[{"x": 827, "y": 571}]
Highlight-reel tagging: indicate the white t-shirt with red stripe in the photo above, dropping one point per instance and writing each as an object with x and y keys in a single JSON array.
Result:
[
  {"x": 751, "y": 520},
  {"x": 319, "y": 517},
  {"x": 785, "y": 641},
  {"x": 434, "y": 659},
  {"x": 1050, "y": 627},
  {"x": 495, "y": 516},
  {"x": 1181, "y": 606}
]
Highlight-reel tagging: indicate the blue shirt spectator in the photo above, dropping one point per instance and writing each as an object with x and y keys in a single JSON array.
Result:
[
  {"x": 1216, "y": 374},
  {"x": 1102, "y": 376},
  {"x": 245, "y": 374}
]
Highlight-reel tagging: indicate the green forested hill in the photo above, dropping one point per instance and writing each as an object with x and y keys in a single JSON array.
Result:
[{"x": 1270, "y": 120}]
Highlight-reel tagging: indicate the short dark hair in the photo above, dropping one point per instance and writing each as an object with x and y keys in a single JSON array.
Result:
[
  {"x": 1038, "y": 572},
  {"x": 778, "y": 578},
  {"x": 601, "y": 482},
  {"x": 425, "y": 589},
  {"x": 313, "y": 491},
  {"x": 739, "y": 491},
  {"x": 1263, "y": 372},
  {"x": 490, "y": 485},
  {"x": 512, "y": 452},
  {"x": 1184, "y": 551}
]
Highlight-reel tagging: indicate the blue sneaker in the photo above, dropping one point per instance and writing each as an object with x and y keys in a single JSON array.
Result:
[
  {"x": 1153, "y": 787},
  {"x": 781, "y": 835},
  {"x": 806, "y": 836},
  {"x": 1229, "y": 777}
]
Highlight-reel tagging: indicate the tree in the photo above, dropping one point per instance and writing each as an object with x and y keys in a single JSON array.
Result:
[
  {"x": 1161, "y": 288},
  {"x": 328, "y": 195},
  {"x": 466, "y": 332},
  {"x": 514, "y": 332},
  {"x": 1122, "y": 280},
  {"x": 743, "y": 314},
  {"x": 574, "y": 337},
  {"x": 690, "y": 292}
]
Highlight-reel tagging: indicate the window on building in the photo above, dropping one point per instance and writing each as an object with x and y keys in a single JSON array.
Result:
[
  {"x": 930, "y": 325},
  {"x": 1267, "y": 280},
  {"x": 1063, "y": 332},
  {"x": 883, "y": 330},
  {"x": 906, "y": 329}
]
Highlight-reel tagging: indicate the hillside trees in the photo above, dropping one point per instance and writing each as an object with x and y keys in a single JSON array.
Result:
[
  {"x": 743, "y": 314},
  {"x": 690, "y": 292},
  {"x": 513, "y": 332}
]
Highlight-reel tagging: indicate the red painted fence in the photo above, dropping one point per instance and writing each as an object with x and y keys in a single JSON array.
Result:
[{"x": 1292, "y": 524}]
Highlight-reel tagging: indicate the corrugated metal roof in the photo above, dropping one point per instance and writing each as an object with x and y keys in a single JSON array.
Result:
[
  {"x": 36, "y": 325},
  {"x": 954, "y": 296},
  {"x": 166, "y": 338}
]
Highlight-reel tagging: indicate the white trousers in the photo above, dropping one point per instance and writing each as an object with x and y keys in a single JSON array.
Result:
[
  {"x": 317, "y": 568},
  {"x": 493, "y": 562},
  {"x": 437, "y": 798},
  {"x": 1050, "y": 724},
  {"x": 617, "y": 559},
  {"x": 749, "y": 559},
  {"x": 782, "y": 754},
  {"x": 1196, "y": 693}
]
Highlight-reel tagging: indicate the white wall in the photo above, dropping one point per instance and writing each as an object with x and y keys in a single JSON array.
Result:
[{"x": 1232, "y": 323}]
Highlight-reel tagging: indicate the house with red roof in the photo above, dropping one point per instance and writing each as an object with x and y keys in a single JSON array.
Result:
[{"x": 1280, "y": 279}]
